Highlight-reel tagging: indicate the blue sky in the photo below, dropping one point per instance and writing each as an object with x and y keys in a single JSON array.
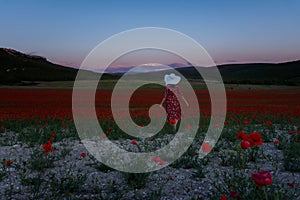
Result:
[{"x": 231, "y": 31}]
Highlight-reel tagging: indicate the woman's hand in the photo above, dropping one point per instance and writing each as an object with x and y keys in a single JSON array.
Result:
[{"x": 185, "y": 101}]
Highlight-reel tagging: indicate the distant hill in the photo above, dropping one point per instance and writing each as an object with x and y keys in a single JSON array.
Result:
[
  {"x": 287, "y": 73},
  {"x": 262, "y": 73},
  {"x": 258, "y": 73},
  {"x": 17, "y": 68}
]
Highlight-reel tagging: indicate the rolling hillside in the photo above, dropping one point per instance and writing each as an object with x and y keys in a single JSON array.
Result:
[
  {"x": 265, "y": 73},
  {"x": 17, "y": 68},
  {"x": 281, "y": 73},
  {"x": 21, "y": 69}
]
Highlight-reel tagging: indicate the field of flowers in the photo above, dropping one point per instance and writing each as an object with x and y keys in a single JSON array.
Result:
[{"x": 256, "y": 157}]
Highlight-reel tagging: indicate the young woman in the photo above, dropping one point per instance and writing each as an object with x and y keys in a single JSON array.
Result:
[{"x": 172, "y": 91}]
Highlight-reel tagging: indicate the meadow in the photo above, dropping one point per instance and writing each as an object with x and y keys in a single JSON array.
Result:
[{"x": 256, "y": 157}]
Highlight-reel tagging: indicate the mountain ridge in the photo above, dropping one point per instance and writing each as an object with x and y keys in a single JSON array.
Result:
[{"x": 18, "y": 68}]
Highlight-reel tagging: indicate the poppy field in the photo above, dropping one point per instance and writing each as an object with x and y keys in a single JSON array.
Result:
[{"x": 256, "y": 157}]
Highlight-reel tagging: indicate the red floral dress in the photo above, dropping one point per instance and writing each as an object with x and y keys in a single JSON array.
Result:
[{"x": 172, "y": 103}]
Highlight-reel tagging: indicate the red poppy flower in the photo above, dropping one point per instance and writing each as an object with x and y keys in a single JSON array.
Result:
[
  {"x": 259, "y": 143},
  {"x": 8, "y": 163},
  {"x": 242, "y": 135},
  {"x": 291, "y": 132},
  {"x": 255, "y": 136},
  {"x": 255, "y": 139},
  {"x": 83, "y": 155},
  {"x": 110, "y": 128},
  {"x": 206, "y": 147},
  {"x": 276, "y": 142},
  {"x": 47, "y": 147},
  {"x": 223, "y": 197},
  {"x": 291, "y": 184},
  {"x": 245, "y": 144},
  {"x": 53, "y": 135},
  {"x": 158, "y": 160},
  {"x": 246, "y": 122},
  {"x": 269, "y": 123},
  {"x": 134, "y": 142},
  {"x": 233, "y": 194},
  {"x": 172, "y": 121},
  {"x": 262, "y": 178}
]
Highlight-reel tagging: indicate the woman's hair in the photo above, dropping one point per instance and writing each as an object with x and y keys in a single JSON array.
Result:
[{"x": 172, "y": 85}]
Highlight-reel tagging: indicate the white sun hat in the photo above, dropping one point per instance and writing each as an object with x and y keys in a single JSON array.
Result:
[{"x": 172, "y": 79}]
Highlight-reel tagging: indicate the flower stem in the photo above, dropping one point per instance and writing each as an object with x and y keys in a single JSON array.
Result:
[{"x": 266, "y": 196}]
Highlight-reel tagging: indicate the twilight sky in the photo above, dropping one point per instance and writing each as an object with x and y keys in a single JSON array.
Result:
[{"x": 231, "y": 31}]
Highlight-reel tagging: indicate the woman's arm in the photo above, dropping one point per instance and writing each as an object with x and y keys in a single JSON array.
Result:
[
  {"x": 163, "y": 100},
  {"x": 182, "y": 97},
  {"x": 165, "y": 96},
  {"x": 185, "y": 101}
]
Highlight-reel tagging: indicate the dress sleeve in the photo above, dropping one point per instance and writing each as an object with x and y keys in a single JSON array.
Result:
[{"x": 179, "y": 91}]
